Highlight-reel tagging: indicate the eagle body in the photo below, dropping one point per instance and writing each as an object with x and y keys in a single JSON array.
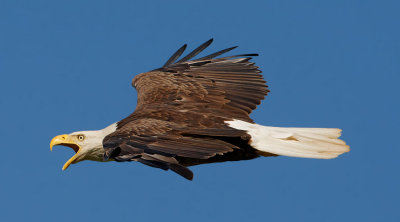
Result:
[{"x": 193, "y": 112}]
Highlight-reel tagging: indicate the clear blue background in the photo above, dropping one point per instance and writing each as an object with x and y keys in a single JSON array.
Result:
[{"x": 67, "y": 66}]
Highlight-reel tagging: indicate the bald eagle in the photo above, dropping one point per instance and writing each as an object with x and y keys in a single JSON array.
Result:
[{"x": 192, "y": 112}]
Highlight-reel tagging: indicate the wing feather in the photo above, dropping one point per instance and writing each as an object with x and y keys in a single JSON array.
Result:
[
  {"x": 175, "y": 56},
  {"x": 196, "y": 51},
  {"x": 215, "y": 54}
]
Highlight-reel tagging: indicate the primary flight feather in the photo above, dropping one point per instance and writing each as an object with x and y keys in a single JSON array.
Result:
[{"x": 193, "y": 112}]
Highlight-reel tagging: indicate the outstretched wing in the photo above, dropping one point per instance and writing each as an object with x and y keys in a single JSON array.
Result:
[
  {"x": 232, "y": 86},
  {"x": 182, "y": 107}
]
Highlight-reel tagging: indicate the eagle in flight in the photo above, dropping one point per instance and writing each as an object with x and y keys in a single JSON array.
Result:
[{"x": 192, "y": 112}]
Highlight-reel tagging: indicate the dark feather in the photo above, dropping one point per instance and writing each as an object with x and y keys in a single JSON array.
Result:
[
  {"x": 181, "y": 170},
  {"x": 175, "y": 56},
  {"x": 215, "y": 54},
  {"x": 196, "y": 51},
  {"x": 156, "y": 164}
]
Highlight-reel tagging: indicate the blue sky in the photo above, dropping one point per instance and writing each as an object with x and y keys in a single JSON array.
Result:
[{"x": 67, "y": 66}]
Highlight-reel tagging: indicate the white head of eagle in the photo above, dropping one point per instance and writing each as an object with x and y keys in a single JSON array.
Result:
[{"x": 88, "y": 145}]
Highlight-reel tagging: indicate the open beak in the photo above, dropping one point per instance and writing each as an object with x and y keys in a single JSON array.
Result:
[{"x": 65, "y": 140}]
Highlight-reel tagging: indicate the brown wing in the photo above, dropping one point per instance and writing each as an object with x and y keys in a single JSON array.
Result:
[
  {"x": 230, "y": 86},
  {"x": 181, "y": 109}
]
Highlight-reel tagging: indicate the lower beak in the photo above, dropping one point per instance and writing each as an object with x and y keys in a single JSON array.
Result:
[{"x": 65, "y": 140}]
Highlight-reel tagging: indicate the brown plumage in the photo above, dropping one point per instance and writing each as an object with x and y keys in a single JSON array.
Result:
[{"x": 181, "y": 109}]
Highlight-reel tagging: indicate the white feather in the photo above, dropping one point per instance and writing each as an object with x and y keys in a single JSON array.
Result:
[
  {"x": 91, "y": 148},
  {"x": 320, "y": 143}
]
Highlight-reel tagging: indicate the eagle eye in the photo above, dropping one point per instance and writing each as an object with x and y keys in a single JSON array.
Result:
[{"x": 81, "y": 137}]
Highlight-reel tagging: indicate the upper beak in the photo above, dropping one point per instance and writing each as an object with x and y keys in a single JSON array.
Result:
[
  {"x": 66, "y": 141},
  {"x": 58, "y": 140}
]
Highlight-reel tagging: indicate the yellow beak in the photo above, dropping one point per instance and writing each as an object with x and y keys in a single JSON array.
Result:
[{"x": 66, "y": 140}]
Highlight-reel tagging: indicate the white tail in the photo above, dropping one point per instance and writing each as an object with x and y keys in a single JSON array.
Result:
[{"x": 319, "y": 143}]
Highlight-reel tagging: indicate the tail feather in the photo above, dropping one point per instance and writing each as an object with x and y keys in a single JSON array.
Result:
[{"x": 319, "y": 143}]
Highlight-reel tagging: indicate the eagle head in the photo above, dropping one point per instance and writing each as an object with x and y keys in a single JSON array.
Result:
[{"x": 88, "y": 145}]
